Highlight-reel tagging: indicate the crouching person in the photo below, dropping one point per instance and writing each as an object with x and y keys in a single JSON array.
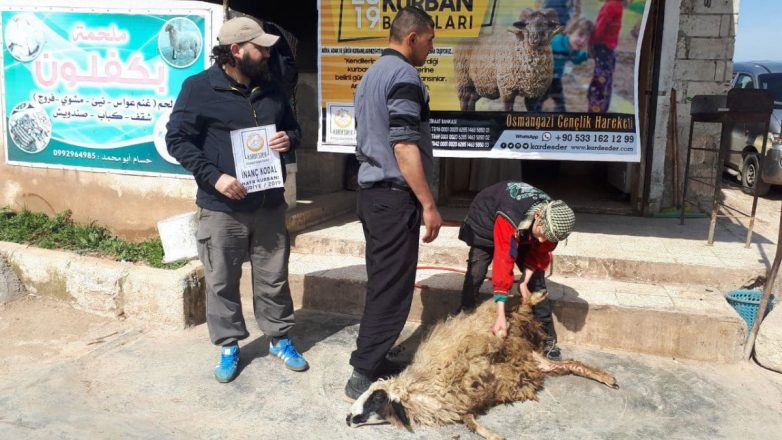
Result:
[
  {"x": 513, "y": 223},
  {"x": 236, "y": 93}
]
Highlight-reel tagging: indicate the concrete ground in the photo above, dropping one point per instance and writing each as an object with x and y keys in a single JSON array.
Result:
[{"x": 66, "y": 374}]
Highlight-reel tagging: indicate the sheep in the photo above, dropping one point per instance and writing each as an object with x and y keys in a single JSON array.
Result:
[
  {"x": 181, "y": 41},
  {"x": 505, "y": 65},
  {"x": 23, "y": 38},
  {"x": 461, "y": 369}
]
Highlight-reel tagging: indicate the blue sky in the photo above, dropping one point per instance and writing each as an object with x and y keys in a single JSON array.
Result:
[{"x": 759, "y": 33}]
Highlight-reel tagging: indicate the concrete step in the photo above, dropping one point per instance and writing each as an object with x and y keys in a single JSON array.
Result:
[
  {"x": 673, "y": 320},
  {"x": 645, "y": 258},
  {"x": 311, "y": 211}
]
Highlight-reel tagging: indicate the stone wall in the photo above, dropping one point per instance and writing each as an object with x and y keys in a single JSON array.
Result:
[{"x": 696, "y": 59}]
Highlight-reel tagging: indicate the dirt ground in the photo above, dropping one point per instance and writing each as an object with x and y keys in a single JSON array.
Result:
[
  {"x": 65, "y": 374},
  {"x": 737, "y": 206},
  {"x": 43, "y": 331}
]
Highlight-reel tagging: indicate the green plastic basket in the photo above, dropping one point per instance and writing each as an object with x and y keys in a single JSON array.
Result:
[{"x": 746, "y": 303}]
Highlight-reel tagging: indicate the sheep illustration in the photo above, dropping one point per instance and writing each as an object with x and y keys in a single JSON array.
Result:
[
  {"x": 462, "y": 369},
  {"x": 24, "y": 38},
  {"x": 25, "y": 49},
  {"x": 504, "y": 66},
  {"x": 182, "y": 41}
]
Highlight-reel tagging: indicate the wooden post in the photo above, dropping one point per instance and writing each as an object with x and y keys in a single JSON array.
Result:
[
  {"x": 675, "y": 159},
  {"x": 772, "y": 276}
]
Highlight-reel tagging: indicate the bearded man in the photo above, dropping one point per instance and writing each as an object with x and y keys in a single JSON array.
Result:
[{"x": 236, "y": 93}]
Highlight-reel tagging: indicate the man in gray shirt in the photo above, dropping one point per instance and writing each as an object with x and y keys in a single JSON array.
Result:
[{"x": 395, "y": 151}]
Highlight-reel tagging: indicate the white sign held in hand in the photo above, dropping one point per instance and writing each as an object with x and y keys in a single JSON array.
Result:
[{"x": 258, "y": 167}]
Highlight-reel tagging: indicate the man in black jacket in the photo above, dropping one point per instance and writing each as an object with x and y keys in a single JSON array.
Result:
[{"x": 235, "y": 94}]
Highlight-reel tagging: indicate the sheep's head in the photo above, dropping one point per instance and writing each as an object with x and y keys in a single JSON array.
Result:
[
  {"x": 536, "y": 27},
  {"x": 170, "y": 28},
  {"x": 376, "y": 406}
]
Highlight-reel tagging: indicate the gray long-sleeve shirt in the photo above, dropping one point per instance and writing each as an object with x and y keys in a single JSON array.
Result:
[{"x": 392, "y": 105}]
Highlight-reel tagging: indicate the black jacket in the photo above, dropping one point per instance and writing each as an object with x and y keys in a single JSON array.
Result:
[
  {"x": 282, "y": 60},
  {"x": 508, "y": 199},
  {"x": 209, "y": 106}
]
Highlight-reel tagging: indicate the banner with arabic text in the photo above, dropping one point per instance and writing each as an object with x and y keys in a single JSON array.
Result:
[{"x": 93, "y": 90}]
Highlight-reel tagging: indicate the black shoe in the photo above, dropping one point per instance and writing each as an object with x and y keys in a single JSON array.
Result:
[
  {"x": 388, "y": 368},
  {"x": 552, "y": 351},
  {"x": 395, "y": 352},
  {"x": 357, "y": 385}
]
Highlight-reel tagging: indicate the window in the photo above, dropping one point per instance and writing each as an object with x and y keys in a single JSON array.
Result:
[{"x": 743, "y": 81}]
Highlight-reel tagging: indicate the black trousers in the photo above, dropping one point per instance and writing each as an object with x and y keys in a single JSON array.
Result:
[
  {"x": 391, "y": 219},
  {"x": 478, "y": 262}
]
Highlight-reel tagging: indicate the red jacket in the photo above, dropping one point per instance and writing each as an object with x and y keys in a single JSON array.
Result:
[
  {"x": 505, "y": 247},
  {"x": 608, "y": 23}
]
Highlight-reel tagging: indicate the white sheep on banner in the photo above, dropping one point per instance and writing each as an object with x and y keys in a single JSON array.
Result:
[
  {"x": 519, "y": 62},
  {"x": 182, "y": 41}
]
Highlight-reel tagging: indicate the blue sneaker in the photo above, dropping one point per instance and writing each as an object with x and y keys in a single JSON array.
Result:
[
  {"x": 287, "y": 352},
  {"x": 226, "y": 369}
]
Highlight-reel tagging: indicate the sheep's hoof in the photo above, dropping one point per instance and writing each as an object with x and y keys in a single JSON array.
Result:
[{"x": 610, "y": 380}]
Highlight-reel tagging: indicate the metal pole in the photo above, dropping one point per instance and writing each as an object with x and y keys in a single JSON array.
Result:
[
  {"x": 675, "y": 144},
  {"x": 715, "y": 206},
  {"x": 686, "y": 173},
  {"x": 770, "y": 279},
  {"x": 225, "y": 10},
  {"x": 758, "y": 179}
]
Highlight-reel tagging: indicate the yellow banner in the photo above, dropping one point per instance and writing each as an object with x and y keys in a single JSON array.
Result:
[
  {"x": 496, "y": 61},
  {"x": 366, "y": 19}
]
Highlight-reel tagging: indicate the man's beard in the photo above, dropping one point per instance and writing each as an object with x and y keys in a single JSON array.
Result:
[{"x": 257, "y": 71}]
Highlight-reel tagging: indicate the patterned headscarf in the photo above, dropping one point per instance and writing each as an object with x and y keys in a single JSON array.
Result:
[{"x": 556, "y": 220}]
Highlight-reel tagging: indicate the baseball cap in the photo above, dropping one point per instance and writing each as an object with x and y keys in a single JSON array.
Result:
[{"x": 244, "y": 29}]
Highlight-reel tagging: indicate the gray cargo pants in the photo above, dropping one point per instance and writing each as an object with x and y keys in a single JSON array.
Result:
[{"x": 224, "y": 241}]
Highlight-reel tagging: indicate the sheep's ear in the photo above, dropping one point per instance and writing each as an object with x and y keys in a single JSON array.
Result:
[
  {"x": 551, "y": 14},
  {"x": 558, "y": 30},
  {"x": 401, "y": 414},
  {"x": 525, "y": 14},
  {"x": 516, "y": 31}
]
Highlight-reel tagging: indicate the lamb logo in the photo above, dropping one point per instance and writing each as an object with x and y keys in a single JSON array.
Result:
[
  {"x": 340, "y": 120},
  {"x": 343, "y": 118},
  {"x": 255, "y": 143}
]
